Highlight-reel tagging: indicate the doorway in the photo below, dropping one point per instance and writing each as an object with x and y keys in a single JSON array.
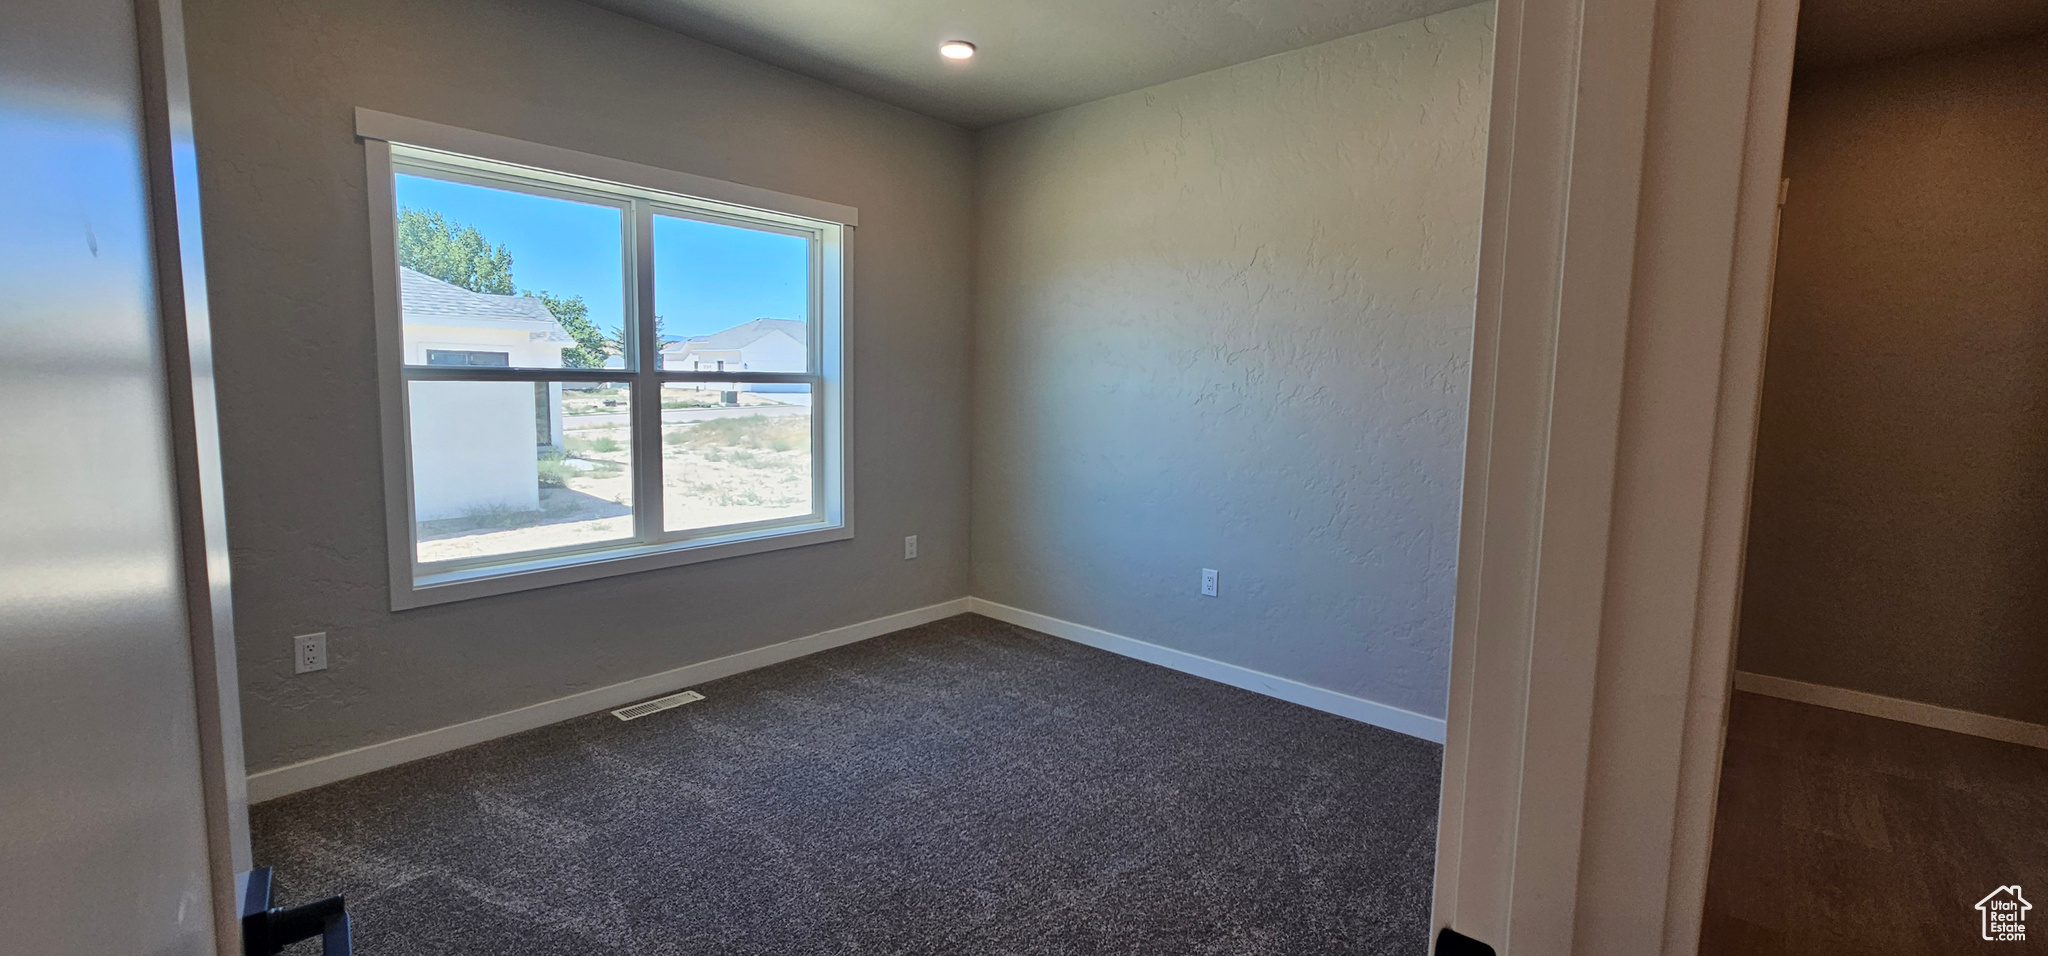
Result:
[{"x": 1884, "y": 767}]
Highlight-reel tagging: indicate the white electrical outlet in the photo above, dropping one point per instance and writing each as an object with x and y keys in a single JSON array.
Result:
[
  {"x": 1208, "y": 582},
  {"x": 910, "y": 547},
  {"x": 309, "y": 653}
]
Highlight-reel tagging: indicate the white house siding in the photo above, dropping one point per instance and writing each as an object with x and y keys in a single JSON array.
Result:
[
  {"x": 521, "y": 349},
  {"x": 771, "y": 350},
  {"x": 775, "y": 352},
  {"x": 475, "y": 445},
  {"x": 473, "y": 449}
]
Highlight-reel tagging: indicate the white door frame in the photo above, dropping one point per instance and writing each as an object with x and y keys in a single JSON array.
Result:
[
  {"x": 187, "y": 342},
  {"x": 1631, "y": 178}
]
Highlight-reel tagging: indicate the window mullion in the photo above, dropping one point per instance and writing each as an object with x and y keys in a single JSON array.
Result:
[
  {"x": 823, "y": 408},
  {"x": 644, "y": 351}
]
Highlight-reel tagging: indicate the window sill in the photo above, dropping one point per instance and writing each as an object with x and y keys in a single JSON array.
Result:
[{"x": 463, "y": 585}]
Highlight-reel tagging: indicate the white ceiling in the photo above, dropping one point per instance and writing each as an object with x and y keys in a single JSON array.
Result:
[
  {"x": 1035, "y": 55},
  {"x": 1843, "y": 32}
]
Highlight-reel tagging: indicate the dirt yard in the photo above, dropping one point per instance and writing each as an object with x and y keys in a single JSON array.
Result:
[{"x": 719, "y": 471}]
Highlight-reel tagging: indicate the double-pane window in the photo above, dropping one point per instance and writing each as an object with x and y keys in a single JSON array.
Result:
[{"x": 592, "y": 372}]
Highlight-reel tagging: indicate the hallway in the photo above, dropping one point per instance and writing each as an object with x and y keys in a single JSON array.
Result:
[{"x": 1846, "y": 834}]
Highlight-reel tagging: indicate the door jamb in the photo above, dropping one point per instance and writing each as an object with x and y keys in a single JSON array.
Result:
[
  {"x": 1570, "y": 95},
  {"x": 1724, "y": 548},
  {"x": 1571, "y": 485},
  {"x": 185, "y": 325}
]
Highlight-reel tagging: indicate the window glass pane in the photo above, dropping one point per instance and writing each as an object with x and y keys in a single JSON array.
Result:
[
  {"x": 731, "y": 299},
  {"x": 502, "y": 468},
  {"x": 733, "y": 453},
  {"x": 528, "y": 281}
]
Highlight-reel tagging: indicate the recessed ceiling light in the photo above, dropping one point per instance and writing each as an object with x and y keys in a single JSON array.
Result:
[{"x": 956, "y": 49}]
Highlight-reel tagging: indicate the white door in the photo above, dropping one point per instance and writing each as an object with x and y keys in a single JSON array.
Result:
[{"x": 113, "y": 819}]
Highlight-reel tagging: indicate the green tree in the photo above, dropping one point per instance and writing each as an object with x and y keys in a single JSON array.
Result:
[
  {"x": 453, "y": 253},
  {"x": 615, "y": 343},
  {"x": 591, "y": 347},
  {"x": 460, "y": 255}
]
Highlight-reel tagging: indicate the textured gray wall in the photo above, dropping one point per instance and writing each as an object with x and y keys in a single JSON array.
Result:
[
  {"x": 275, "y": 82},
  {"x": 1226, "y": 322},
  {"x": 1899, "y": 536}
]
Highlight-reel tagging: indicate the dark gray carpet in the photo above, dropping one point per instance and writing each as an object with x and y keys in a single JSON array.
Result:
[{"x": 966, "y": 787}]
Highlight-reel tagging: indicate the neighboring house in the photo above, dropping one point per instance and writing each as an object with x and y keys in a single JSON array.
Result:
[
  {"x": 475, "y": 444},
  {"x": 619, "y": 361},
  {"x": 763, "y": 345},
  {"x": 446, "y": 324}
]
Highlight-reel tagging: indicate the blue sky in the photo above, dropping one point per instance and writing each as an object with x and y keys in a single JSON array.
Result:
[{"x": 707, "y": 276}]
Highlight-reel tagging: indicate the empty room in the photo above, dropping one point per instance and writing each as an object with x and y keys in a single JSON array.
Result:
[{"x": 700, "y": 477}]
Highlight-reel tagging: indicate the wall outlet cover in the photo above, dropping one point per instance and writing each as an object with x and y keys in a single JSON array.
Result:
[
  {"x": 910, "y": 547},
  {"x": 309, "y": 653},
  {"x": 1209, "y": 583}
]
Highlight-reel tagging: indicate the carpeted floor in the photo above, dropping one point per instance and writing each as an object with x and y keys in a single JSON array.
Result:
[{"x": 965, "y": 787}]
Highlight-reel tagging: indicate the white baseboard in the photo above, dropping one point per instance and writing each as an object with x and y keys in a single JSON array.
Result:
[
  {"x": 271, "y": 784},
  {"x": 319, "y": 771},
  {"x": 1343, "y": 705},
  {"x": 1893, "y": 708}
]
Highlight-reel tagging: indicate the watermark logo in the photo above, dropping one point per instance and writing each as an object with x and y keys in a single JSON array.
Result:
[{"x": 2004, "y": 914}]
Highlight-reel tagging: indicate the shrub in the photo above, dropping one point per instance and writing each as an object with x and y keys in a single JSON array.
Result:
[
  {"x": 765, "y": 432},
  {"x": 494, "y": 516},
  {"x": 554, "y": 472},
  {"x": 601, "y": 445}
]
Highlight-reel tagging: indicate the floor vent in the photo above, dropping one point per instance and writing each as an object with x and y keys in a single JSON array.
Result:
[{"x": 656, "y": 705}]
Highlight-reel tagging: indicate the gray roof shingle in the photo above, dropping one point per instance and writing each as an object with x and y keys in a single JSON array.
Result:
[
  {"x": 430, "y": 301},
  {"x": 742, "y": 335}
]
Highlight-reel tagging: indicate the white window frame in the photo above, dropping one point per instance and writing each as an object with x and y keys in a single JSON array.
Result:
[{"x": 394, "y": 143}]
